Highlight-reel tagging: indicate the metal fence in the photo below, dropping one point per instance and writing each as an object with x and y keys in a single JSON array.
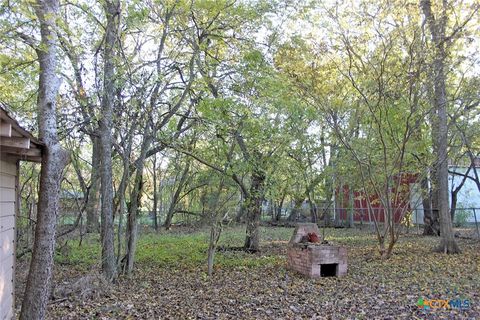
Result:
[{"x": 412, "y": 219}]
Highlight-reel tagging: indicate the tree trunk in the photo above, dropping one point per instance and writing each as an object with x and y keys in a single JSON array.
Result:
[
  {"x": 241, "y": 209},
  {"x": 456, "y": 190},
  {"x": 215, "y": 220},
  {"x": 430, "y": 220},
  {"x": 254, "y": 211},
  {"x": 215, "y": 228},
  {"x": 453, "y": 207},
  {"x": 112, "y": 9},
  {"x": 297, "y": 209},
  {"x": 135, "y": 198},
  {"x": 215, "y": 232},
  {"x": 437, "y": 30},
  {"x": 278, "y": 214},
  {"x": 132, "y": 224},
  {"x": 155, "y": 194},
  {"x": 176, "y": 196},
  {"x": 351, "y": 201},
  {"x": 338, "y": 205},
  {"x": 271, "y": 209},
  {"x": 55, "y": 158},
  {"x": 434, "y": 195},
  {"x": 120, "y": 208},
  {"x": 94, "y": 193}
]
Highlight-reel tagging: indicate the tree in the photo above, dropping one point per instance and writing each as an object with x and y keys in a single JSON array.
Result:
[
  {"x": 55, "y": 158},
  {"x": 88, "y": 107},
  {"x": 112, "y": 12},
  {"x": 437, "y": 26},
  {"x": 181, "y": 182},
  {"x": 370, "y": 97},
  {"x": 464, "y": 146},
  {"x": 221, "y": 79}
]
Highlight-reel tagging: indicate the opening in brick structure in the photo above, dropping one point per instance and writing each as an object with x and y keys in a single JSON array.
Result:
[{"x": 328, "y": 270}]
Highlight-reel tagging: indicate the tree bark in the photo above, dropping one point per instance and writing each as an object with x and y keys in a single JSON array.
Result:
[
  {"x": 313, "y": 210},
  {"x": 430, "y": 220},
  {"x": 351, "y": 200},
  {"x": 112, "y": 11},
  {"x": 278, "y": 213},
  {"x": 241, "y": 209},
  {"x": 120, "y": 208},
  {"x": 94, "y": 192},
  {"x": 215, "y": 232},
  {"x": 215, "y": 228},
  {"x": 254, "y": 212},
  {"x": 55, "y": 158},
  {"x": 135, "y": 198},
  {"x": 176, "y": 196},
  {"x": 434, "y": 192},
  {"x": 338, "y": 205},
  {"x": 329, "y": 183},
  {"x": 456, "y": 190},
  {"x": 437, "y": 30},
  {"x": 297, "y": 211},
  {"x": 155, "y": 194}
]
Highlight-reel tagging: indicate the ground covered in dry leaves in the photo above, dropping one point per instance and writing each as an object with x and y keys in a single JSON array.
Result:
[{"x": 170, "y": 281}]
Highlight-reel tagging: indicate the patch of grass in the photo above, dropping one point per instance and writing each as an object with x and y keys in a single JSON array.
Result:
[
  {"x": 235, "y": 236},
  {"x": 177, "y": 250},
  {"x": 172, "y": 250},
  {"x": 81, "y": 256},
  {"x": 190, "y": 250}
]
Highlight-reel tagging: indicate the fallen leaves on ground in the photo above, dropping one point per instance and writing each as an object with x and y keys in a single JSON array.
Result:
[{"x": 372, "y": 289}]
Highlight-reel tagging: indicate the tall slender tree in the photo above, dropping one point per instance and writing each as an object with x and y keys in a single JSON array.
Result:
[
  {"x": 437, "y": 26},
  {"x": 55, "y": 158},
  {"x": 112, "y": 12}
]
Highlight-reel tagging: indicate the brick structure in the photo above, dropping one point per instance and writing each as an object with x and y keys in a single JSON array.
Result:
[{"x": 315, "y": 259}]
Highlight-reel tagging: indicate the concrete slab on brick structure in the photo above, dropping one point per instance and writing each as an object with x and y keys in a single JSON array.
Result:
[
  {"x": 303, "y": 229},
  {"x": 314, "y": 259}
]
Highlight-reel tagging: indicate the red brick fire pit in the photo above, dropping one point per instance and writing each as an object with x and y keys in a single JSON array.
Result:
[{"x": 315, "y": 259}]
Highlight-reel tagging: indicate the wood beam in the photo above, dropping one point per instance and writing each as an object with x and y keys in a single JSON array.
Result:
[
  {"x": 15, "y": 133},
  {"x": 15, "y": 142},
  {"x": 33, "y": 152},
  {"x": 14, "y": 157},
  {"x": 34, "y": 159},
  {"x": 5, "y": 129}
]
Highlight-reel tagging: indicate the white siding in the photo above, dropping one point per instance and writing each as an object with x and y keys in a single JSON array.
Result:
[
  {"x": 468, "y": 197},
  {"x": 7, "y": 236}
]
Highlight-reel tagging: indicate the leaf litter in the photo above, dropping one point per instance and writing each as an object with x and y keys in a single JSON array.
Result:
[{"x": 372, "y": 289}]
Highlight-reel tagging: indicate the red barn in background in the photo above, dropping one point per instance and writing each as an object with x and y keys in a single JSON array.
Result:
[{"x": 400, "y": 201}]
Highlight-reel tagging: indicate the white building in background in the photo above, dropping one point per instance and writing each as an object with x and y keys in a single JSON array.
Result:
[{"x": 468, "y": 198}]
